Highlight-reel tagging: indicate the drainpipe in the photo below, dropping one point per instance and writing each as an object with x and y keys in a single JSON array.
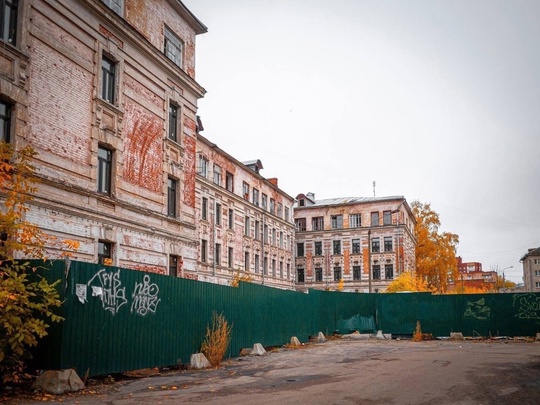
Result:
[{"x": 369, "y": 258}]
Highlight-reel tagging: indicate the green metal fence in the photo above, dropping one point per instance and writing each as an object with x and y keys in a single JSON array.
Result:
[{"x": 118, "y": 319}]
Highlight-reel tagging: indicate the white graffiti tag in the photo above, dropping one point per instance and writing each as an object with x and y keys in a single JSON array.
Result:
[
  {"x": 145, "y": 297},
  {"x": 110, "y": 290},
  {"x": 528, "y": 306}
]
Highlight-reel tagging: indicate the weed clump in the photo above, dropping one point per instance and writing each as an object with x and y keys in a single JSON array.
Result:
[
  {"x": 217, "y": 339},
  {"x": 418, "y": 337}
]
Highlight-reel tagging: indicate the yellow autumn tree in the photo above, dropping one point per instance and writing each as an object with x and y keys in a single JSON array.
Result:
[
  {"x": 407, "y": 281},
  {"x": 435, "y": 251},
  {"x": 27, "y": 301}
]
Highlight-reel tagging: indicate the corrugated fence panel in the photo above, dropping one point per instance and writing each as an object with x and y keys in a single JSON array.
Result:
[{"x": 118, "y": 319}]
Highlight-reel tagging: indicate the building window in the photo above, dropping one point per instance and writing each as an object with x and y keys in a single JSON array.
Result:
[
  {"x": 337, "y": 273},
  {"x": 172, "y": 186},
  {"x": 375, "y": 245},
  {"x": 280, "y": 210},
  {"x": 245, "y": 191},
  {"x": 387, "y": 217},
  {"x": 246, "y": 226},
  {"x": 536, "y": 261},
  {"x": 318, "y": 248},
  {"x": 388, "y": 244},
  {"x": 255, "y": 197},
  {"x": 203, "y": 166},
  {"x": 231, "y": 218},
  {"x": 264, "y": 201},
  {"x": 256, "y": 264},
  {"x": 115, "y": 5},
  {"x": 204, "y": 208},
  {"x": 317, "y": 223},
  {"x": 300, "y": 224},
  {"x": 108, "y": 80},
  {"x": 274, "y": 268},
  {"x": 104, "y": 170},
  {"x": 300, "y": 275},
  {"x": 173, "y": 122},
  {"x": 286, "y": 214},
  {"x": 105, "y": 250},
  {"x": 537, "y": 284},
  {"x": 280, "y": 269},
  {"x": 318, "y": 274},
  {"x": 336, "y": 247},
  {"x": 217, "y": 254},
  {"x": 5, "y": 122},
  {"x": 218, "y": 214},
  {"x": 389, "y": 271},
  {"x": 355, "y": 221},
  {"x": 281, "y": 239},
  {"x": 230, "y": 258},
  {"x": 173, "y": 47},
  {"x": 288, "y": 271},
  {"x": 374, "y": 219},
  {"x": 8, "y": 21},
  {"x": 265, "y": 233},
  {"x": 257, "y": 230},
  {"x": 537, "y": 272},
  {"x": 356, "y": 272},
  {"x": 265, "y": 266},
  {"x": 229, "y": 182},
  {"x": 274, "y": 237},
  {"x": 246, "y": 261},
  {"x": 272, "y": 206},
  {"x": 376, "y": 272},
  {"x": 204, "y": 250},
  {"x": 337, "y": 221},
  {"x": 300, "y": 249},
  {"x": 173, "y": 265},
  {"x": 217, "y": 175},
  {"x": 356, "y": 246}
]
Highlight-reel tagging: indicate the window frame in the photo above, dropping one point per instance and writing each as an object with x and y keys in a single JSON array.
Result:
[
  {"x": 173, "y": 47},
  {"x": 357, "y": 272},
  {"x": 388, "y": 271},
  {"x": 204, "y": 208},
  {"x": 388, "y": 244},
  {"x": 109, "y": 77},
  {"x": 204, "y": 250},
  {"x": 336, "y": 221},
  {"x": 217, "y": 214},
  {"x": 102, "y": 255},
  {"x": 317, "y": 248},
  {"x": 356, "y": 246},
  {"x": 217, "y": 254},
  {"x": 300, "y": 276},
  {"x": 318, "y": 274},
  {"x": 9, "y": 34},
  {"x": 355, "y": 220},
  {"x": 5, "y": 121},
  {"x": 172, "y": 197},
  {"x": 218, "y": 174},
  {"x": 105, "y": 170},
  {"x": 317, "y": 223},
  {"x": 376, "y": 271},
  {"x": 387, "y": 217},
  {"x": 173, "y": 265},
  {"x": 336, "y": 247},
  {"x": 300, "y": 249},
  {"x": 230, "y": 257},
  {"x": 229, "y": 181},
  {"x": 202, "y": 168},
  {"x": 173, "y": 122},
  {"x": 337, "y": 273},
  {"x": 375, "y": 245}
]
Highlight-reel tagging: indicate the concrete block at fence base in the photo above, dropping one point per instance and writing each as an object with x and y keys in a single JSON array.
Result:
[
  {"x": 295, "y": 341},
  {"x": 258, "y": 350},
  {"x": 199, "y": 360},
  {"x": 245, "y": 352},
  {"x": 379, "y": 335},
  {"x": 538, "y": 336},
  {"x": 456, "y": 336},
  {"x": 58, "y": 382},
  {"x": 356, "y": 336},
  {"x": 321, "y": 338}
]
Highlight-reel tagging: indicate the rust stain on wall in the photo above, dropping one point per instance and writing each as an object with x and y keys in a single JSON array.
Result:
[
  {"x": 189, "y": 172},
  {"x": 309, "y": 265},
  {"x": 143, "y": 149},
  {"x": 365, "y": 255},
  {"x": 347, "y": 264}
]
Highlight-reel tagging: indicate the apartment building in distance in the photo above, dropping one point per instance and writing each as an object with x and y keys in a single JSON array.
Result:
[
  {"x": 531, "y": 270},
  {"x": 105, "y": 92},
  {"x": 365, "y": 242},
  {"x": 244, "y": 221},
  {"x": 472, "y": 275}
]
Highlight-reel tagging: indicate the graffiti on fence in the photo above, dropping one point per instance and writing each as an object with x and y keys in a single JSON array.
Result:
[
  {"x": 108, "y": 286},
  {"x": 145, "y": 297},
  {"x": 477, "y": 309},
  {"x": 528, "y": 306}
]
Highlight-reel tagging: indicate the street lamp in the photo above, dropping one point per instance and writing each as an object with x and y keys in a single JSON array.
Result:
[{"x": 504, "y": 280}]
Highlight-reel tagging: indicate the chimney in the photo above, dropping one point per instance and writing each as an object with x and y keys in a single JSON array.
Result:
[{"x": 274, "y": 181}]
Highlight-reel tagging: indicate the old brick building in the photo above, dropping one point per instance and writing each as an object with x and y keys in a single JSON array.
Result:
[
  {"x": 245, "y": 224},
  {"x": 105, "y": 92},
  {"x": 531, "y": 270},
  {"x": 366, "y": 242}
]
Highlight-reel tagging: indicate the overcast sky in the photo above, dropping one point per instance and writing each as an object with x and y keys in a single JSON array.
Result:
[{"x": 438, "y": 101}]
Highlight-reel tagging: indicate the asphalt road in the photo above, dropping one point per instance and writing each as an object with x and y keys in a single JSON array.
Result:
[{"x": 347, "y": 372}]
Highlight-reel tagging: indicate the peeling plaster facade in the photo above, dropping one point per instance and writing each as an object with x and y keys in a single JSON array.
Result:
[
  {"x": 244, "y": 221},
  {"x": 351, "y": 238},
  {"x": 52, "y": 80}
]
